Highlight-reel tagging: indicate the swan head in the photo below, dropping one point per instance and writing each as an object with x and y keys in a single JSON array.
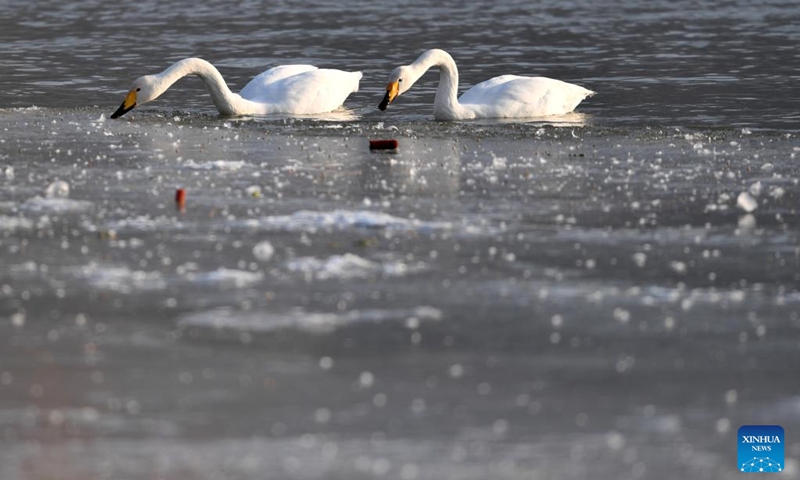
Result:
[
  {"x": 143, "y": 90},
  {"x": 400, "y": 80}
]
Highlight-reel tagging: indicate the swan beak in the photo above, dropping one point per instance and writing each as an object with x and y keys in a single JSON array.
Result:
[
  {"x": 391, "y": 93},
  {"x": 127, "y": 105}
]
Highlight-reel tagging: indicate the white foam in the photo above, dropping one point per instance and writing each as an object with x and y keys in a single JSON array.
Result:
[
  {"x": 746, "y": 202},
  {"x": 56, "y": 205},
  {"x": 145, "y": 223},
  {"x": 263, "y": 251},
  {"x": 116, "y": 278},
  {"x": 299, "y": 319},
  {"x": 312, "y": 221},
  {"x": 350, "y": 266},
  {"x": 14, "y": 223},
  {"x": 57, "y": 189},
  {"x": 226, "y": 276},
  {"x": 228, "y": 165}
]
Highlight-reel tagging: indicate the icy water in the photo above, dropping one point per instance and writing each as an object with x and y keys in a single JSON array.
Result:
[{"x": 574, "y": 298}]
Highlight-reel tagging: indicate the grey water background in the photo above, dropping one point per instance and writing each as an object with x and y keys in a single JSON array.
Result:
[{"x": 577, "y": 297}]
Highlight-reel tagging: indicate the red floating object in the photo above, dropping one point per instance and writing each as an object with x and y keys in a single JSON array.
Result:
[
  {"x": 383, "y": 144},
  {"x": 180, "y": 197}
]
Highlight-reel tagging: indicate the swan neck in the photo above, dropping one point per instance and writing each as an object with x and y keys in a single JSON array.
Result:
[
  {"x": 445, "y": 104},
  {"x": 224, "y": 99}
]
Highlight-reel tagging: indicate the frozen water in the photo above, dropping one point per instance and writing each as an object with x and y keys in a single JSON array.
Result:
[
  {"x": 349, "y": 266},
  {"x": 575, "y": 297},
  {"x": 263, "y": 251}
]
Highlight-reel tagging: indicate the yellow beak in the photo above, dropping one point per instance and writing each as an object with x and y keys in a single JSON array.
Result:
[
  {"x": 127, "y": 105},
  {"x": 392, "y": 91}
]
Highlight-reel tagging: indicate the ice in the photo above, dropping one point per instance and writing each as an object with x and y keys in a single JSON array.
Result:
[
  {"x": 58, "y": 189},
  {"x": 746, "y": 202},
  {"x": 8, "y": 223},
  {"x": 226, "y": 276},
  {"x": 300, "y": 319},
  {"x": 224, "y": 165},
  {"x": 552, "y": 280},
  {"x": 313, "y": 221},
  {"x": 55, "y": 205},
  {"x": 144, "y": 223},
  {"x": 117, "y": 278},
  {"x": 747, "y": 222},
  {"x": 350, "y": 266},
  {"x": 777, "y": 192},
  {"x": 263, "y": 251}
]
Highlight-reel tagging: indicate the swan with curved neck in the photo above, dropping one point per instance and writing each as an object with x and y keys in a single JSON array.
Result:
[
  {"x": 507, "y": 96},
  {"x": 290, "y": 89}
]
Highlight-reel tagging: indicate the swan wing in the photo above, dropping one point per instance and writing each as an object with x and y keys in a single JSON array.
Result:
[
  {"x": 303, "y": 92},
  {"x": 515, "y": 96},
  {"x": 254, "y": 87}
]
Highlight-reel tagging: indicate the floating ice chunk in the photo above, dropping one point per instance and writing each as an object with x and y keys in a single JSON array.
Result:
[
  {"x": 14, "y": 223},
  {"x": 144, "y": 223},
  {"x": 621, "y": 315},
  {"x": 311, "y": 221},
  {"x": 57, "y": 189},
  {"x": 499, "y": 163},
  {"x": 746, "y": 202},
  {"x": 228, "y": 165},
  {"x": 117, "y": 278},
  {"x": 55, "y": 205},
  {"x": 755, "y": 189},
  {"x": 350, "y": 266},
  {"x": 226, "y": 276},
  {"x": 678, "y": 267},
  {"x": 263, "y": 251},
  {"x": 18, "y": 319},
  {"x": 747, "y": 222},
  {"x": 615, "y": 440},
  {"x": 777, "y": 192},
  {"x": 299, "y": 319}
]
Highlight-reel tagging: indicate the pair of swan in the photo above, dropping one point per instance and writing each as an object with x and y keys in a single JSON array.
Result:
[{"x": 305, "y": 89}]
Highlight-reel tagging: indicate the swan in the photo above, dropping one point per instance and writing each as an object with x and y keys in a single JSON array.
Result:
[
  {"x": 507, "y": 96},
  {"x": 291, "y": 89}
]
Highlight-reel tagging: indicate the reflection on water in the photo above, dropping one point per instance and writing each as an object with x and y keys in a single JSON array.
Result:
[{"x": 572, "y": 119}]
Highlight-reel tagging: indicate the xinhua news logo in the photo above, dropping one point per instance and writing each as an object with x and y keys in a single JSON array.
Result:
[{"x": 761, "y": 449}]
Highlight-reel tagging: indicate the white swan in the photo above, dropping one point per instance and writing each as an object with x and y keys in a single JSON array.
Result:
[
  {"x": 291, "y": 89},
  {"x": 507, "y": 96}
]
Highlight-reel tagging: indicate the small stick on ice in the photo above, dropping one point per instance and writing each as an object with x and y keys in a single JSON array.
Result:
[
  {"x": 180, "y": 199},
  {"x": 390, "y": 144}
]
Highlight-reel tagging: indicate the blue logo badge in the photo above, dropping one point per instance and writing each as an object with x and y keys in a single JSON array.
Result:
[{"x": 761, "y": 448}]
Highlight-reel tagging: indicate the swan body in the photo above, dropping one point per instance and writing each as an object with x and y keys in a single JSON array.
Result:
[
  {"x": 290, "y": 89},
  {"x": 507, "y": 96}
]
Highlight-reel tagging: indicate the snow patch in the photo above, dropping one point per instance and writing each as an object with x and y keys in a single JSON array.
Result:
[
  {"x": 227, "y": 165},
  {"x": 299, "y": 319},
  {"x": 312, "y": 221},
  {"x": 226, "y": 277},
  {"x": 349, "y": 266}
]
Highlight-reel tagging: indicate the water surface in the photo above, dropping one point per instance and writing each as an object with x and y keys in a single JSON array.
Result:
[{"x": 572, "y": 298}]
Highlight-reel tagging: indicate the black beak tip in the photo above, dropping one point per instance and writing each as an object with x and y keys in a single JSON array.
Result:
[
  {"x": 384, "y": 103},
  {"x": 122, "y": 111}
]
